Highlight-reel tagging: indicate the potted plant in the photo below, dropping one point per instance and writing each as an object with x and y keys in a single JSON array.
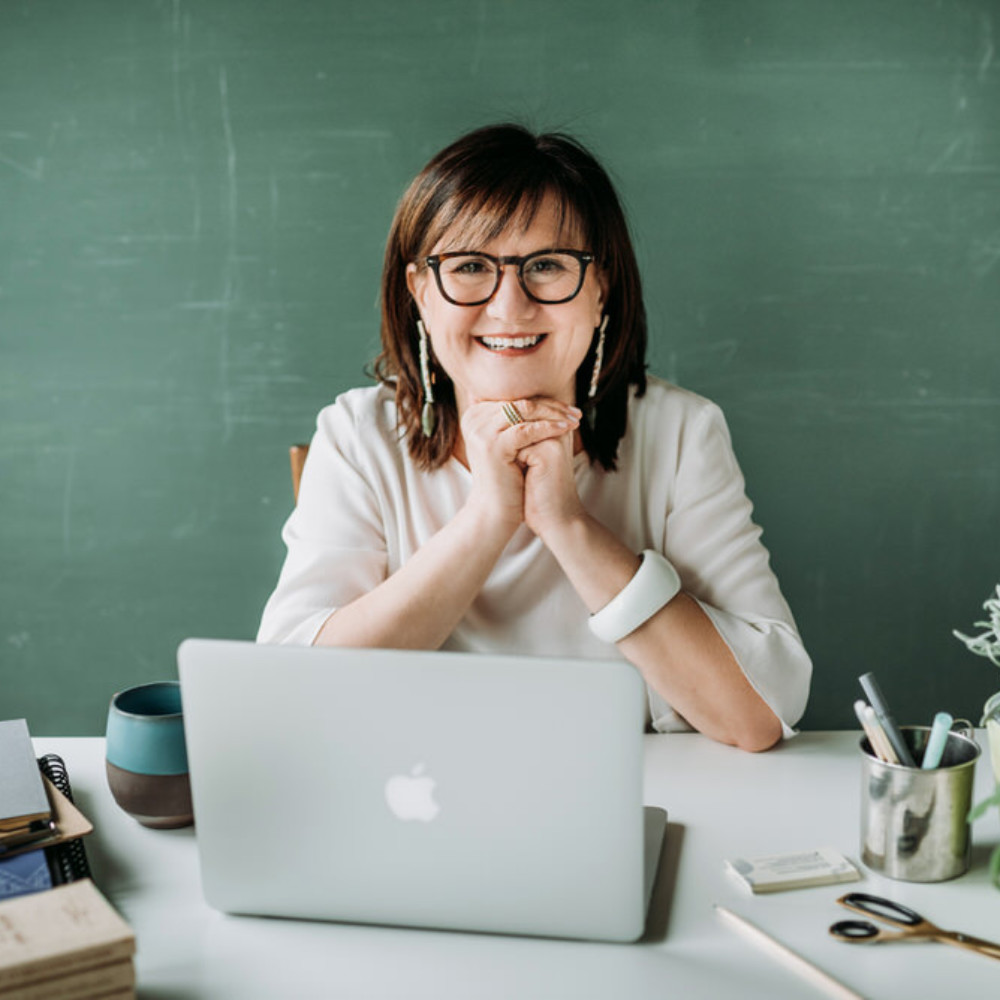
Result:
[{"x": 987, "y": 644}]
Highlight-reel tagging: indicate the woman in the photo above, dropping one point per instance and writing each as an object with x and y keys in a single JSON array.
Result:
[{"x": 515, "y": 483}]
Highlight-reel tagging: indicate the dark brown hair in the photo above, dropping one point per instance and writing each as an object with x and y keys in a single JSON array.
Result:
[{"x": 487, "y": 180}]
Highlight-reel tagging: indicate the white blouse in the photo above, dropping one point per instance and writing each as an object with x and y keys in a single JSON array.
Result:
[{"x": 364, "y": 509}]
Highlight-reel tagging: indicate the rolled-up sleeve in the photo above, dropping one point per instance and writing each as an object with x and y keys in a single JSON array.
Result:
[{"x": 712, "y": 540}]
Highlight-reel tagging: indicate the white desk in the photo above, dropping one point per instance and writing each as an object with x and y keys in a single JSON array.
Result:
[{"x": 721, "y": 803}]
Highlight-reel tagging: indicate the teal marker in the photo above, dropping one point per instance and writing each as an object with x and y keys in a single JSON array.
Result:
[{"x": 936, "y": 741}]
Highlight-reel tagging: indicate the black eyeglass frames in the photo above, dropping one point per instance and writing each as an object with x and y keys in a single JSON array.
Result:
[{"x": 468, "y": 278}]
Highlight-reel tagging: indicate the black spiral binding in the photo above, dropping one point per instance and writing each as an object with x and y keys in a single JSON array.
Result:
[{"x": 68, "y": 860}]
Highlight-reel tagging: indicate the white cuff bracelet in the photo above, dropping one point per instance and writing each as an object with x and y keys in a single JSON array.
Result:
[{"x": 655, "y": 583}]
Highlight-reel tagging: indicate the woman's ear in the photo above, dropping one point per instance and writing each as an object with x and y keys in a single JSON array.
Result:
[
  {"x": 416, "y": 281},
  {"x": 602, "y": 295}
]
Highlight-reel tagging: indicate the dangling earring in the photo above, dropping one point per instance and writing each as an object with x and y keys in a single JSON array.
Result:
[
  {"x": 596, "y": 374},
  {"x": 428, "y": 416}
]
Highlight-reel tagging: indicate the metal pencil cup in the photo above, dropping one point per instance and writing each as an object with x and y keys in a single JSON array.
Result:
[{"x": 913, "y": 822}]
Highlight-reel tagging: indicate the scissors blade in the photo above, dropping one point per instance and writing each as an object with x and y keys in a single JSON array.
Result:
[{"x": 988, "y": 948}]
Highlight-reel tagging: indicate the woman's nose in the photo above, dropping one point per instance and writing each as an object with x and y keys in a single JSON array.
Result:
[{"x": 509, "y": 302}]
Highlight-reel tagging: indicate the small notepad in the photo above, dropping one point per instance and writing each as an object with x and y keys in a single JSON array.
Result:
[{"x": 778, "y": 872}]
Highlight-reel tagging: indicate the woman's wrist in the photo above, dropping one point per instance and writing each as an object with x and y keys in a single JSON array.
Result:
[
  {"x": 563, "y": 532},
  {"x": 488, "y": 521}
]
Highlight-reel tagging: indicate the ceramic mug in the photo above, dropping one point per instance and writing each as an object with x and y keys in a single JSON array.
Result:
[{"x": 146, "y": 758}]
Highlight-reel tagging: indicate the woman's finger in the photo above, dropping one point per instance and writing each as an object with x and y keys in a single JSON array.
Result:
[
  {"x": 517, "y": 411},
  {"x": 531, "y": 432}
]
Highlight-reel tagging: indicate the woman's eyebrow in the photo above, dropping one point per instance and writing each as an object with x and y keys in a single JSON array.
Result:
[
  {"x": 472, "y": 236},
  {"x": 567, "y": 238}
]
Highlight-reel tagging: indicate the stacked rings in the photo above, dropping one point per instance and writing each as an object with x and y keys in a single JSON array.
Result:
[{"x": 513, "y": 415}]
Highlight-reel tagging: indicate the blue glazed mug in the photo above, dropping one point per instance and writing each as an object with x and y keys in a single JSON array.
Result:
[{"x": 146, "y": 755}]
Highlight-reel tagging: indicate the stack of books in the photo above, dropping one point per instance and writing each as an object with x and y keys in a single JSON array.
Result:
[
  {"x": 67, "y": 943},
  {"x": 60, "y": 939},
  {"x": 25, "y": 811}
]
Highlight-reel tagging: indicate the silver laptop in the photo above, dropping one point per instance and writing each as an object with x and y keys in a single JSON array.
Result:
[{"x": 430, "y": 789}]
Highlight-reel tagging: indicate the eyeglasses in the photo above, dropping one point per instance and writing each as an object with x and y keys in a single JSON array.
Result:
[{"x": 547, "y": 276}]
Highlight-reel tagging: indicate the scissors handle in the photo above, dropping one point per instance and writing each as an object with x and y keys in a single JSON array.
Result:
[
  {"x": 855, "y": 930},
  {"x": 861, "y": 931},
  {"x": 887, "y": 910}
]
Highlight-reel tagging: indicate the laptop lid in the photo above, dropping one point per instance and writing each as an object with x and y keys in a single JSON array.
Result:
[{"x": 430, "y": 789}]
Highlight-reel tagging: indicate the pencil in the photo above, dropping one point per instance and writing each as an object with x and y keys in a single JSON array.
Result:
[
  {"x": 806, "y": 969},
  {"x": 859, "y": 711},
  {"x": 888, "y": 753},
  {"x": 881, "y": 747}
]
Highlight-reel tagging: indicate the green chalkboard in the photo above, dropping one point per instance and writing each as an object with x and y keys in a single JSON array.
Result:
[{"x": 194, "y": 198}]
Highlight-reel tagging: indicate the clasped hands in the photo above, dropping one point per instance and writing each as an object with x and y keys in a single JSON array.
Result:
[{"x": 523, "y": 473}]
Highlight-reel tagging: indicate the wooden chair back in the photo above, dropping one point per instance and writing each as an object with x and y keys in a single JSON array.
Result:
[{"x": 297, "y": 454}]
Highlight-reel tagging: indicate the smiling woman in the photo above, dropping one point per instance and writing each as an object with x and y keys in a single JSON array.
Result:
[
  {"x": 495, "y": 490},
  {"x": 500, "y": 339}
]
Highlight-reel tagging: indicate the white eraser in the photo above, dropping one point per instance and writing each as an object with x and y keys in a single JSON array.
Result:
[{"x": 776, "y": 872}]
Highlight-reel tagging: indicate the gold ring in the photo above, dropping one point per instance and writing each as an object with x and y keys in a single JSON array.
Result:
[{"x": 513, "y": 415}]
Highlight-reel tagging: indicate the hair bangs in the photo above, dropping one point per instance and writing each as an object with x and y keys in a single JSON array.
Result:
[{"x": 476, "y": 213}]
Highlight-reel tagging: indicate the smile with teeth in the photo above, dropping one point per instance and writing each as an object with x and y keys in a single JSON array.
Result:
[{"x": 510, "y": 343}]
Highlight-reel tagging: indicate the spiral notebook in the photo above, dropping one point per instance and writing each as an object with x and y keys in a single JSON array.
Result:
[
  {"x": 429, "y": 789},
  {"x": 68, "y": 859}
]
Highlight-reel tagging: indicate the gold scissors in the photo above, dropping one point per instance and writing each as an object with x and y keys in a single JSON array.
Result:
[{"x": 914, "y": 927}]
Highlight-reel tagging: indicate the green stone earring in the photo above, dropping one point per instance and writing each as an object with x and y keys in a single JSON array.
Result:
[
  {"x": 428, "y": 415},
  {"x": 596, "y": 374}
]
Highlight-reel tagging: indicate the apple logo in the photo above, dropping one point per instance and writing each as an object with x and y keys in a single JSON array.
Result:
[{"x": 411, "y": 796}]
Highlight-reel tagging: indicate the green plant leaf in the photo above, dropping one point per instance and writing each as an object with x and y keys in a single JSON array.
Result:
[
  {"x": 987, "y": 644},
  {"x": 980, "y": 808}
]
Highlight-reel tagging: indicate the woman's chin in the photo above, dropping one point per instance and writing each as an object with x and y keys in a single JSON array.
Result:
[{"x": 523, "y": 389}]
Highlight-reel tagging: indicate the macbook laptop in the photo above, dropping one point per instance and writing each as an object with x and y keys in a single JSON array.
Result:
[{"x": 428, "y": 789}]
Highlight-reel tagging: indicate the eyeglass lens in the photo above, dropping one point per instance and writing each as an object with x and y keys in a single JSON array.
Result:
[{"x": 547, "y": 277}]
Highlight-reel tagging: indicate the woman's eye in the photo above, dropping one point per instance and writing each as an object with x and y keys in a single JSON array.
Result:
[
  {"x": 545, "y": 265},
  {"x": 469, "y": 267}
]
